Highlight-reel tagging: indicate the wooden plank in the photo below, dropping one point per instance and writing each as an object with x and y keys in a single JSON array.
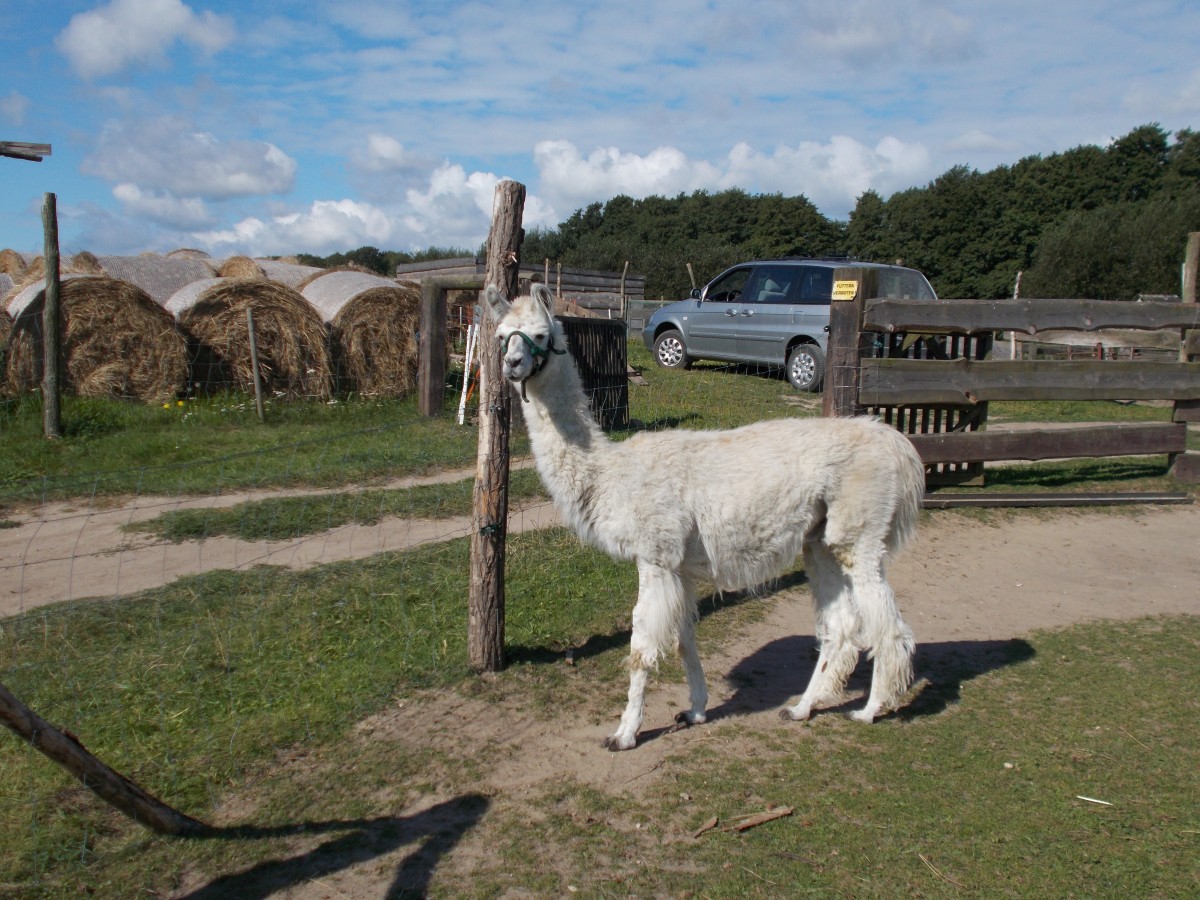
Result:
[
  {"x": 1186, "y": 467},
  {"x": 1054, "y": 498},
  {"x": 892, "y": 382},
  {"x": 1101, "y": 440},
  {"x": 1029, "y": 316},
  {"x": 23, "y": 150},
  {"x": 1186, "y": 411},
  {"x": 1109, "y": 338}
]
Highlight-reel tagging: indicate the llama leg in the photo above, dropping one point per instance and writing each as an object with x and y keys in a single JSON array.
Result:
[
  {"x": 885, "y": 634},
  {"x": 697, "y": 687},
  {"x": 657, "y": 620},
  {"x": 836, "y": 627}
]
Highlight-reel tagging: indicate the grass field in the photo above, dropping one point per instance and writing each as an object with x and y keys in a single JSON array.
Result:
[{"x": 250, "y": 685}]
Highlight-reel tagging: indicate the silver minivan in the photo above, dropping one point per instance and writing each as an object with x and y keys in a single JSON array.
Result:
[{"x": 773, "y": 312}]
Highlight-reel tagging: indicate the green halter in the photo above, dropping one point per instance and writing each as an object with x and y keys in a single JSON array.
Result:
[{"x": 540, "y": 356}]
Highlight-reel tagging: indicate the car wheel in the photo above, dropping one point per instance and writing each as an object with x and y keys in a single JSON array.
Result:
[
  {"x": 806, "y": 367},
  {"x": 670, "y": 352}
]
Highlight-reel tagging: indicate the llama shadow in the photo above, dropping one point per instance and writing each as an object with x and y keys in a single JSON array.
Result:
[
  {"x": 433, "y": 833},
  {"x": 602, "y": 643},
  {"x": 779, "y": 672}
]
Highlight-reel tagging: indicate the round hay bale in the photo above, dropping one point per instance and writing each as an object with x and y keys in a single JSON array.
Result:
[
  {"x": 288, "y": 272},
  {"x": 373, "y": 325},
  {"x": 158, "y": 276},
  {"x": 35, "y": 270},
  {"x": 293, "y": 359},
  {"x": 84, "y": 263},
  {"x": 12, "y": 263},
  {"x": 188, "y": 253},
  {"x": 240, "y": 267},
  {"x": 6, "y": 288},
  {"x": 116, "y": 341}
]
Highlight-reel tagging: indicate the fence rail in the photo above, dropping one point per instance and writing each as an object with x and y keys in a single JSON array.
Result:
[{"x": 864, "y": 375}]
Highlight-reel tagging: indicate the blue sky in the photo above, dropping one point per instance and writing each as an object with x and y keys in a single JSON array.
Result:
[{"x": 284, "y": 126}]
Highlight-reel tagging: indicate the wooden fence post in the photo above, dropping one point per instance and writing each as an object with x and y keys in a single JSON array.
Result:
[
  {"x": 51, "y": 332},
  {"x": 1186, "y": 466},
  {"x": 253, "y": 339},
  {"x": 847, "y": 342},
  {"x": 485, "y": 626},
  {"x": 431, "y": 349}
]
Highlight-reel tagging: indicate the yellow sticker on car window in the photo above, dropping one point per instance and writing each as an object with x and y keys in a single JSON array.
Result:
[{"x": 845, "y": 290}]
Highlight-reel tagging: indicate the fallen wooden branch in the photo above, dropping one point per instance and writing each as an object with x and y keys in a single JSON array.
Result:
[
  {"x": 753, "y": 821},
  {"x": 66, "y": 750}
]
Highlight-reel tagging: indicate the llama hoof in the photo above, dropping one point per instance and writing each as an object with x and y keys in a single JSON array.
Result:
[
  {"x": 687, "y": 717},
  {"x": 614, "y": 743},
  {"x": 792, "y": 714},
  {"x": 866, "y": 716}
]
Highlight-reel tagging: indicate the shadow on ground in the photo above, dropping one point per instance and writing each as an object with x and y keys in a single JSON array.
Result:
[
  {"x": 779, "y": 671},
  {"x": 432, "y": 833}
]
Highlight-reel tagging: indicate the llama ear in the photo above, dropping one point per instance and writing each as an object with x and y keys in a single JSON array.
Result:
[
  {"x": 497, "y": 304},
  {"x": 542, "y": 295}
]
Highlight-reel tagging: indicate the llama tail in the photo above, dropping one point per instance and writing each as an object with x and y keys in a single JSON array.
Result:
[{"x": 910, "y": 491}]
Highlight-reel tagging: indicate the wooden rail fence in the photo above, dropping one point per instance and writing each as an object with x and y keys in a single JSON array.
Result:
[{"x": 865, "y": 376}]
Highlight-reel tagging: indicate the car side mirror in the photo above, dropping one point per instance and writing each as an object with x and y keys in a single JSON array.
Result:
[{"x": 695, "y": 294}]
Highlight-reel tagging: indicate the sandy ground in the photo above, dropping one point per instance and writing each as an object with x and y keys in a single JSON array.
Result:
[{"x": 969, "y": 586}]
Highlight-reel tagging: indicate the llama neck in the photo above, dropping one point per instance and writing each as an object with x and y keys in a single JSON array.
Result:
[{"x": 567, "y": 443}]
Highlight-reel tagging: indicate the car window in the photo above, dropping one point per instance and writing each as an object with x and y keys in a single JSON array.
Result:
[
  {"x": 729, "y": 287},
  {"x": 816, "y": 285},
  {"x": 901, "y": 284},
  {"x": 772, "y": 284}
]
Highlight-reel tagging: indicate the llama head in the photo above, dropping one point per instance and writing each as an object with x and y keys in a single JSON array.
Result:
[{"x": 526, "y": 330}]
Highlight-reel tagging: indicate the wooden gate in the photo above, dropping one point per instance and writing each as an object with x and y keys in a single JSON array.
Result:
[{"x": 863, "y": 375}]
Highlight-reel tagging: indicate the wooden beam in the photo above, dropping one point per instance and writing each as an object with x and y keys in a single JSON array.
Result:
[
  {"x": 1058, "y": 443},
  {"x": 893, "y": 382},
  {"x": 22, "y": 150},
  {"x": 1029, "y": 316}
]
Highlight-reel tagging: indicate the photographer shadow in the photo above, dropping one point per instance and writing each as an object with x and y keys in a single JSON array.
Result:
[{"x": 433, "y": 833}]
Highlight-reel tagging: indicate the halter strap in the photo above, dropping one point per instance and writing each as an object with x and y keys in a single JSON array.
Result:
[{"x": 540, "y": 355}]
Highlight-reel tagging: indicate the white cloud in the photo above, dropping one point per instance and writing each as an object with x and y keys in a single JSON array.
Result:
[
  {"x": 14, "y": 106},
  {"x": 382, "y": 154},
  {"x": 176, "y": 212},
  {"x": 832, "y": 175},
  {"x": 325, "y": 227},
  {"x": 167, "y": 155},
  {"x": 105, "y": 40},
  {"x": 570, "y": 180}
]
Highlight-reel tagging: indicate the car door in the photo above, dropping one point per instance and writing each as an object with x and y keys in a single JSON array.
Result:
[
  {"x": 810, "y": 312},
  {"x": 712, "y": 326},
  {"x": 765, "y": 318}
]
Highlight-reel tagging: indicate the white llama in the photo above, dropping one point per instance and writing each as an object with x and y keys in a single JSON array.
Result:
[{"x": 733, "y": 507}]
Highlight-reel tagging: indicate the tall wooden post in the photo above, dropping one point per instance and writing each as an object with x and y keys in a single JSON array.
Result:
[
  {"x": 485, "y": 627},
  {"x": 846, "y": 342},
  {"x": 51, "y": 332},
  {"x": 431, "y": 350}
]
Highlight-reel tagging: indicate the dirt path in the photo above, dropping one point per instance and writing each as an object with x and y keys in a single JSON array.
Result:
[{"x": 68, "y": 551}]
